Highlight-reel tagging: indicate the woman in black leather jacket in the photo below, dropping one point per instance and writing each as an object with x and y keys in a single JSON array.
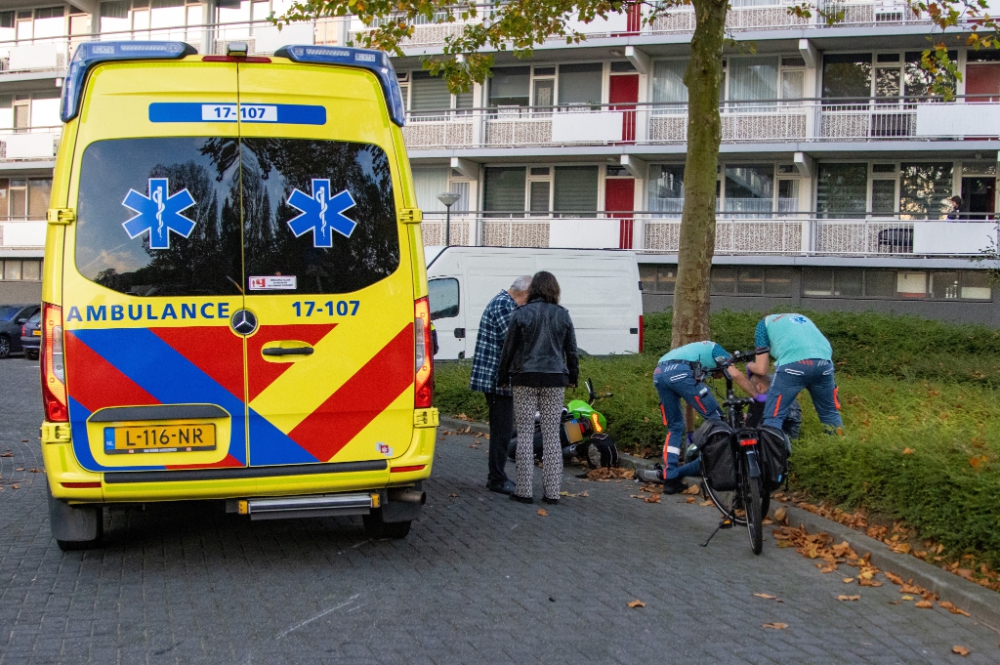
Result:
[{"x": 539, "y": 360}]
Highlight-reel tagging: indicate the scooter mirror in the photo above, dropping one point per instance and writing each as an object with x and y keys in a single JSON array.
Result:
[{"x": 590, "y": 390}]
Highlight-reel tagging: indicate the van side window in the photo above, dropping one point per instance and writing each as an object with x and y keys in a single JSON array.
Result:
[{"x": 443, "y": 295}]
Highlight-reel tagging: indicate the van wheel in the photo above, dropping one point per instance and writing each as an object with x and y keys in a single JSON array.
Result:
[
  {"x": 75, "y": 527},
  {"x": 377, "y": 527},
  {"x": 5, "y": 346}
]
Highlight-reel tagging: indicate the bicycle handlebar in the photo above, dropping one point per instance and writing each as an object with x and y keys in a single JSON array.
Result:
[
  {"x": 744, "y": 401},
  {"x": 744, "y": 356}
]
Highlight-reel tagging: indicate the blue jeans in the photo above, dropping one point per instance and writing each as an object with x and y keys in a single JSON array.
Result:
[
  {"x": 814, "y": 375},
  {"x": 675, "y": 381}
]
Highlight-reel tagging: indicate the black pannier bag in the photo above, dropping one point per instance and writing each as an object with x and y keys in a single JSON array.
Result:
[
  {"x": 714, "y": 440},
  {"x": 774, "y": 448}
]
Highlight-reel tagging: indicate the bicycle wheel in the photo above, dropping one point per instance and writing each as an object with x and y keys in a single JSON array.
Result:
[
  {"x": 751, "y": 491},
  {"x": 727, "y": 503}
]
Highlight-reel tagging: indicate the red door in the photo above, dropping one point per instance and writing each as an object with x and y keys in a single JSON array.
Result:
[
  {"x": 619, "y": 197},
  {"x": 982, "y": 79},
  {"x": 623, "y": 96}
]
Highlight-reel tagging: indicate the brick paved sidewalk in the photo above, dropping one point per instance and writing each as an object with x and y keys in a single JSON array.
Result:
[{"x": 480, "y": 579}]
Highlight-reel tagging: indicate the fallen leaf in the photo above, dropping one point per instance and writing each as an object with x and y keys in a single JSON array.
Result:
[
  {"x": 692, "y": 489},
  {"x": 7, "y": 454},
  {"x": 15, "y": 486},
  {"x": 20, "y": 468},
  {"x": 848, "y": 580},
  {"x": 654, "y": 498},
  {"x": 767, "y": 596},
  {"x": 34, "y": 471},
  {"x": 907, "y": 597},
  {"x": 895, "y": 602},
  {"x": 924, "y": 604},
  {"x": 541, "y": 511},
  {"x": 908, "y": 451},
  {"x": 951, "y": 608},
  {"x": 780, "y": 514},
  {"x": 690, "y": 499},
  {"x": 707, "y": 503},
  {"x": 843, "y": 597},
  {"x": 636, "y": 603},
  {"x": 961, "y": 651},
  {"x": 911, "y": 588},
  {"x": 775, "y": 626},
  {"x": 892, "y": 577},
  {"x": 452, "y": 496}
]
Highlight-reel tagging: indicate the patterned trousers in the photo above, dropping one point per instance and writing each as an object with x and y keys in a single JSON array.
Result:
[{"x": 548, "y": 402}]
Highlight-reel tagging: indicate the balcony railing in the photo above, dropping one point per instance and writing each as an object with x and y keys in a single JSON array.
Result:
[
  {"x": 800, "y": 234},
  {"x": 22, "y": 233},
  {"x": 28, "y": 144},
  {"x": 766, "y": 121}
]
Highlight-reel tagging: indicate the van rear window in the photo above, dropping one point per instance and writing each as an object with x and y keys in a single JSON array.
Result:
[{"x": 205, "y": 216}]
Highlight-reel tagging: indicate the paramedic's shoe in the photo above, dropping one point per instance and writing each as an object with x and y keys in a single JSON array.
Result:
[
  {"x": 654, "y": 475},
  {"x": 675, "y": 486},
  {"x": 506, "y": 487}
]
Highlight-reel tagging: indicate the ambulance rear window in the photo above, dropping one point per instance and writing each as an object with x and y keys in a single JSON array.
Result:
[{"x": 216, "y": 216}]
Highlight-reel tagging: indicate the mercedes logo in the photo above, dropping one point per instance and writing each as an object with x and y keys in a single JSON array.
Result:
[{"x": 244, "y": 322}]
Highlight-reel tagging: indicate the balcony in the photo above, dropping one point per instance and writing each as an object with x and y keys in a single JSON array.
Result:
[
  {"x": 758, "y": 17},
  {"x": 30, "y": 144},
  {"x": 22, "y": 233},
  {"x": 791, "y": 234},
  {"x": 773, "y": 121}
]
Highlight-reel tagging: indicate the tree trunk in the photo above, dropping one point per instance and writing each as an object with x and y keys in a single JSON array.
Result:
[{"x": 704, "y": 133}]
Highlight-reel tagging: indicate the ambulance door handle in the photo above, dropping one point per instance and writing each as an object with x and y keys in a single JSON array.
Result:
[{"x": 296, "y": 351}]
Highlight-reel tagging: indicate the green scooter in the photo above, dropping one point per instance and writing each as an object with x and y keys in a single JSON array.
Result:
[{"x": 583, "y": 434}]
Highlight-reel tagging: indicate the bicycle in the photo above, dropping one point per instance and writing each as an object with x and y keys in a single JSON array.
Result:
[{"x": 750, "y": 496}]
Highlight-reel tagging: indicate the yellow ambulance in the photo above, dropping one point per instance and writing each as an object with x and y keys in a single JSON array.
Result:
[{"x": 234, "y": 299}]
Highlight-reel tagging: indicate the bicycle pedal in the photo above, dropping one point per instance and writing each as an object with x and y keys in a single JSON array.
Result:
[{"x": 726, "y": 524}]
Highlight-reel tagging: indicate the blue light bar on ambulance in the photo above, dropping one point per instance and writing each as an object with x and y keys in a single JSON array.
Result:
[
  {"x": 376, "y": 62},
  {"x": 89, "y": 54}
]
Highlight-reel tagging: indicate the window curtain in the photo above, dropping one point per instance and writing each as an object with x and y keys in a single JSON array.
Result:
[
  {"x": 510, "y": 86},
  {"x": 750, "y": 188},
  {"x": 753, "y": 79},
  {"x": 428, "y": 93},
  {"x": 666, "y": 188},
  {"x": 428, "y": 183},
  {"x": 842, "y": 188},
  {"x": 575, "y": 190},
  {"x": 668, "y": 86},
  {"x": 504, "y": 189},
  {"x": 580, "y": 85}
]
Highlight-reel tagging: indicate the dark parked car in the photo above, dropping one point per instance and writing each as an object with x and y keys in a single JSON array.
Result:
[
  {"x": 12, "y": 317},
  {"x": 31, "y": 336}
]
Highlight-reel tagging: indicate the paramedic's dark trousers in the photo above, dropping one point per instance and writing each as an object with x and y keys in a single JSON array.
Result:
[
  {"x": 674, "y": 382},
  {"x": 501, "y": 408},
  {"x": 816, "y": 376}
]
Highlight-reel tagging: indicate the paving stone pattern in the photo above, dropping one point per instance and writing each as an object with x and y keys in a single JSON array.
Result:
[{"x": 480, "y": 579}]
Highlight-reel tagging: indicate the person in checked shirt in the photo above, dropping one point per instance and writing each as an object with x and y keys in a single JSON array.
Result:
[{"x": 489, "y": 345}]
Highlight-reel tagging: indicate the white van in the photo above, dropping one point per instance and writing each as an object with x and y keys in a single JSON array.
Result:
[{"x": 600, "y": 288}]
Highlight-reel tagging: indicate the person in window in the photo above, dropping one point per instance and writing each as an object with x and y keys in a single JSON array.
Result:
[
  {"x": 489, "y": 345},
  {"x": 803, "y": 358},
  {"x": 955, "y": 207},
  {"x": 679, "y": 375},
  {"x": 539, "y": 359}
]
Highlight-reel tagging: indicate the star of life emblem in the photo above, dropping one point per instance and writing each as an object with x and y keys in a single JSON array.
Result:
[
  {"x": 159, "y": 213},
  {"x": 321, "y": 213}
]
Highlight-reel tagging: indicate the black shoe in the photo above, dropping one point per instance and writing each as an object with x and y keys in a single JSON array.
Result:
[
  {"x": 522, "y": 499},
  {"x": 675, "y": 486},
  {"x": 654, "y": 475},
  {"x": 507, "y": 487},
  {"x": 551, "y": 502}
]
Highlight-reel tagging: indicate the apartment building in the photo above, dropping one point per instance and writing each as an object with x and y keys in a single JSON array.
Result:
[{"x": 836, "y": 169}]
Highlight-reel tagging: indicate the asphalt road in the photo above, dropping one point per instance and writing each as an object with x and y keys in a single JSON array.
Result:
[{"x": 480, "y": 579}]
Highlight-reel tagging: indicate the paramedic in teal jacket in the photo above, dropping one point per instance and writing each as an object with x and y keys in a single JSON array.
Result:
[
  {"x": 679, "y": 375},
  {"x": 803, "y": 358}
]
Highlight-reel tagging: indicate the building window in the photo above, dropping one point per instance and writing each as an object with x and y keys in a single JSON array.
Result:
[
  {"x": 580, "y": 85},
  {"x": 510, "y": 86},
  {"x": 574, "y": 190},
  {"x": 896, "y": 284},
  {"x": 923, "y": 189},
  {"x": 29, "y": 270},
  {"x": 841, "y": 188},
  {"x": 668, "y": 86},
  {"x": 749, "y": 188},
  {"x": 430, "y": 94},
  {"x": 658, "y": 278},
  {"x": 504, "y": 189},
  {"x": 752, "y": 280},
  {"x": 666, "y": 188}
]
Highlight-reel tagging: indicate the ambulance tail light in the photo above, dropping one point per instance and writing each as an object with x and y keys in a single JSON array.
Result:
[
  {"x": 53, "y": 367},
  {"x": 423, "y": 379}
]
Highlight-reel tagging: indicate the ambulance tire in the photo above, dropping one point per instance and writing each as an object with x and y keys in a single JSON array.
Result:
[
  {"x": 377, "y": 527},
  {"x": 75, "y": 527}
]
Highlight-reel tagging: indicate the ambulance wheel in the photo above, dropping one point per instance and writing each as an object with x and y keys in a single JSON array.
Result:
[
  {"x": 377, "y": 527},
  {"x": 75, "y": 527}
]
